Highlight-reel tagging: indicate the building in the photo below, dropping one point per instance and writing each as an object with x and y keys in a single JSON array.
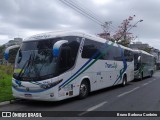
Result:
[
  {"x": 156, "y": 53},
  {"x": 16, "y": 41},
  {"x": 138, "y": 45}
]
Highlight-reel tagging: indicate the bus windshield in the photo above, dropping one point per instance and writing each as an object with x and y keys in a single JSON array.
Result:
[{"x": 35, "y": 60}]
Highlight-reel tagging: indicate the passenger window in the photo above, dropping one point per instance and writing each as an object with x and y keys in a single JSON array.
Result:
[{"x": 91, "y": 48}]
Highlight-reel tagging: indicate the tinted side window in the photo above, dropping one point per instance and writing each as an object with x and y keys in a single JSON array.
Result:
[
  {"x": 113, "y": 53},
  {"x": 146, "y": 59},
  {"x": 109, "y": 54},
  {"x": 128, "y": 55},
  {"x": 117, "y": 53},
  {"x": 90, "y": 48}
]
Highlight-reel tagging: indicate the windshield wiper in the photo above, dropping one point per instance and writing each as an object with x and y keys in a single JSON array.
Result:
[{"x": 24, "y": 66}]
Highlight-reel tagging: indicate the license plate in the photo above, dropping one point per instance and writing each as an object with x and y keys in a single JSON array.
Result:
[{"x": 28, "y": 95}]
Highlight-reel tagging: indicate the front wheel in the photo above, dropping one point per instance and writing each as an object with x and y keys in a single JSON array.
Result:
[{"x": 84, "y": 90}]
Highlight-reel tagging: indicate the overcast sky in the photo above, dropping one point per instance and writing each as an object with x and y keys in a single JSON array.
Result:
[{"x": 22, "y": 18}]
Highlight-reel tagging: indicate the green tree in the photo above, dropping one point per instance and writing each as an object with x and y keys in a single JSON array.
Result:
[
  {"x": 2, "y": 48},
  {"x": 147, "y": 49}
]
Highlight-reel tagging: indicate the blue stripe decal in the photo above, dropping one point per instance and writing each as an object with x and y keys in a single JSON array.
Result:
[
  {"x": 124, "y": 68},
  {"x": 94, "y": 56},
  {"x": 19, "y": 90},
  {"x": 82, "y": 67},
  {"x": 90, "y": 64},
  {"x": 19, "y": 83}
]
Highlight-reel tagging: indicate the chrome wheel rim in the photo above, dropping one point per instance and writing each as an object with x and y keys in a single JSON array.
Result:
[
  {"x": 124, "y": 82},
  {"x": 83, "y": 89}
]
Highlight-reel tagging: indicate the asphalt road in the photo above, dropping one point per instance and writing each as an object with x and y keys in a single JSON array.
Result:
[{"x": 136, "y": 96}]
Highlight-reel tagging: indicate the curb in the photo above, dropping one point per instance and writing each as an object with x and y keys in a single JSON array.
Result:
[
  {"x": 9, "y": 102},
  {"x": 4, "y": 103}
]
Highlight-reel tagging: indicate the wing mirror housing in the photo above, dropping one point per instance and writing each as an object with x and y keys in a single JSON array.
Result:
[
  {"x": 6, "y": 53},
  {"x": 57, "y": 46}
]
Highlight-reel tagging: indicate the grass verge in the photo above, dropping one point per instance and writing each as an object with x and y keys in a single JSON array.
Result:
[{"x": 6, "y": 83}]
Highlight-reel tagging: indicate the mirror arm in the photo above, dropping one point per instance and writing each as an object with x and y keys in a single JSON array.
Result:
[{"x": 6, "y": 53}]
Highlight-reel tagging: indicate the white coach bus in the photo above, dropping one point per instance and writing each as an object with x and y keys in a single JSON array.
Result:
[
  {"x": 144, "y": 64},
  {"x": 61, "y": 65}
]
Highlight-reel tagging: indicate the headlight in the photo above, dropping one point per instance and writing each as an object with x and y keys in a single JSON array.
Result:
[{"x": 50, "y": 85}]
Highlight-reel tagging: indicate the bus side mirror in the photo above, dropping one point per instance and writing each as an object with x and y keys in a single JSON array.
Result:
[
  {"x": 139, "y": 58},
  {"x": 56, "y": 47},
  {"x": 6, "y": 53}
]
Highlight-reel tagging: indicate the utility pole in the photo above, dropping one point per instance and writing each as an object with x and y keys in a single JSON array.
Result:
[
  {"x": 105, "y": 28},
  {"x": 125, "y": 30}
]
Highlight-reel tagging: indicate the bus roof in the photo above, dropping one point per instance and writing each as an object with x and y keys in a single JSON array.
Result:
[
  {"x": 59, "y": 34},
  {"x": 67, "y": 33},
  {"x": 144, "y": 52}
]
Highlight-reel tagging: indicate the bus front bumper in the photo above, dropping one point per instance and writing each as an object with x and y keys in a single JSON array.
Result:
[
  {"x": 44, "y": 96},
  {"x": 49, "y": 95}
]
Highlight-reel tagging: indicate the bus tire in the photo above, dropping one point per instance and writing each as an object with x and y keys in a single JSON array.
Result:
[
  {"x": 141, "y": 78},
  {"x": 151, "y": 73},
  {"x": 124, "y": 82},
  {"x": 84, "y": 89}
]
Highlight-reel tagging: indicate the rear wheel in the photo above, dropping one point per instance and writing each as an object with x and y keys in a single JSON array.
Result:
[
  {"x": 124, "y": 82},
  {"x": 141, "y": 78},
  {"x": 84, "y": 90},
  {"x": 151, "y": 73}
]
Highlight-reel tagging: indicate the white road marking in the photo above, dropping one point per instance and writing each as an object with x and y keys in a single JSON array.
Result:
[
  {"x": 127, "y": 92},
  {"x": 154, "y": 79},
  {"x": 145, "y": 84},
  {"x": 93, "y": 108},
  {"x": 97, "y": 106},
  {"x": 150, "y": 81}
]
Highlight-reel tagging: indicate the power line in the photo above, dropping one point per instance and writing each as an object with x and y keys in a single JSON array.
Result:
[
  {"x": 88, "y": 10},
  {"x": 81, "y": 11},
  {"x": 110, "y": 26},
  {"x": 85, "y": 9},
  {"x": 87, "y": 13}
]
